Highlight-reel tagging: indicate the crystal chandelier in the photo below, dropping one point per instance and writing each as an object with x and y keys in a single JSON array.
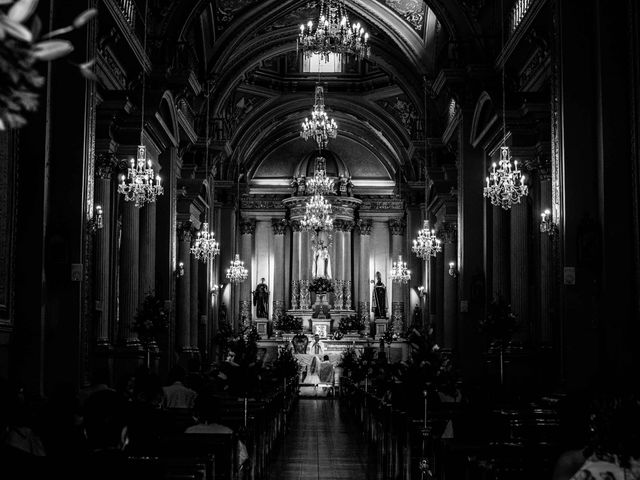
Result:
[
  {"x": 205, "y": 245},
  {"x": 317, "y": 215},
  {"x": 505, "y": 185},
  {"x": 426, "y": 244},
  {"x": 333, "y": 33},
  {"x": 237, "y": 273},
  {"x": 320, "y": 127},
  {"x": 138, "y": 186},
  {"x": 320, "y": 184},
  {"x": 399, "y": 271}
]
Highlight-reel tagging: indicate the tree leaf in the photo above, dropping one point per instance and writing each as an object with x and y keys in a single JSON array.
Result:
[
  {"x": 52, "y": 49},
  {"x": 84, "y": 17},
  {"x": 22, "y": 10},
  {"x": 36, "y": 27},
  {"x": 16, "y": 30},
  {"x": 5, "y": 2},
  {"x": 59, "y": 31}
]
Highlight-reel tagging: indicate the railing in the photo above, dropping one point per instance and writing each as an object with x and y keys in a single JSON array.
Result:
[
  {"x": 518, "y": 12},
  {"x": 130, "y": 12}
]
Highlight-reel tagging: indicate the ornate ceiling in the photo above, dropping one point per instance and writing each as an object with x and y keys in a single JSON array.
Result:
[{"x": 260, "y": 97}]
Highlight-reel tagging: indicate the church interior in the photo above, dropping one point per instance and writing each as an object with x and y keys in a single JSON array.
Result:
[{"x": 287, "y": 239}]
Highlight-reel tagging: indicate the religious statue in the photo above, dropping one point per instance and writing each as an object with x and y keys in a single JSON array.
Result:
[
  {"x": 261, "y": 299},
  {"x": 379, "y": 300},
  {"x": 222, "y": 313},
  {"x": 349, "y": 187},
  {"x": 302, "y": 186},
  {"x": 342, "y": 185},
  {"x": 295, "y": 185},
  {"x": 321, "y": 261}
]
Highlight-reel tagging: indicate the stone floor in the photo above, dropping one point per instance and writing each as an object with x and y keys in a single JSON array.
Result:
[{"x": 322, "y": 443}]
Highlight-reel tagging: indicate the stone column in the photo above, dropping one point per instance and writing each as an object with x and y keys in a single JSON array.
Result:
[
  {"x": 397, "y": 228},
  {"x": 105, "y": 166},
  {"x": 450, "y": 297},
  {"x": 348, "y": 277},
  {"x": 194, "y": 317},
  {"x": 147, "y": 250},
  {"x": 129, "y": 274},
  {"x": 183, "y": 288},
  {"x": 364, "y": 304},
  {"x": 279, "y": 227},
  {"x": 520, "y": 304},
  {"x": 500, "y": 253},
  {"x": 295, "y": 265},
  {"x": 439, "y": 276},
  {"x": 247, "y": 231},
  {"x": 305, "y": 256},
  {"x": 546, "y": 267}
]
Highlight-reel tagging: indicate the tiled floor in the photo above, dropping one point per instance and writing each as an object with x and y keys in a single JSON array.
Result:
[{"x": 322, "y": 443}]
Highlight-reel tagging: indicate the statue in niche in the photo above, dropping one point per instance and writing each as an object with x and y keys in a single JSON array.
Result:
[
  {"x": 379, "y": 300},
  {"x": 342, "y": 185},
  {"x": 321, "y": 261},
  {"x": 261, "y": 299},
  {"x": 302, "y": 186},
  {"x": 349, "y": 187},
  {"x": 294, "y": 183}
]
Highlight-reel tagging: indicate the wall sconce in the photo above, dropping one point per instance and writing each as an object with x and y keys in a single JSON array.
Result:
[
  {"x": 180, "y": 270},
  {"x": 422, "y": 291},
  {"x": 215, "y": 289},
  {"x": 546, "y": 223},
  {"x": 98, "y": 219},
  {"x": 452, "y": 269}
]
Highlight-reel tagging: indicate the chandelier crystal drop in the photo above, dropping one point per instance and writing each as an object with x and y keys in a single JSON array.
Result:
[
  {"x": 205, "y": 246},
  {"x": 237, "y": 273},
  {"x": 321, "y": 128},
  {"x": 333, "y": 33},
  {"x": 317, "y": 215},
  {"x": 320, "y": 184},
  {"x": 138, "y": 186},
  {"x": 399, "y": 271},
  {"x": 505, "y": 184},
  {"x": 426, "y": 244}
]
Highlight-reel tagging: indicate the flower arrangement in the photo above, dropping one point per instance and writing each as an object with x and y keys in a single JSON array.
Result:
[
  {"x": 21, "y": 48},
  {"x": 358, "y": 367},
  {"x": 321, "y": 285},
  {"x": 389, "y": 335},
  {"x": 151, "y": 319},
  {"x": 350, "y": 324},
  {"x": 288, "y": 323},
  {"x": 286, "y": 365}
]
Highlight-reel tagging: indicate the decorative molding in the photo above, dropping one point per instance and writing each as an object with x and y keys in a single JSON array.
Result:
[
  {"x": 279, "y": 226},
  {"x": 305, "y": 298},
  {"x": 397, "y": 226},
  {"x": 261, "y": 203},
  {"x": 247, "y": 227},
  {"x": 295, "y": 295},
  {"x": 382, "y": 204},
  {"x": 185, "y": 232},
  {"x": 278, "y": 309},
  {"x": 106, "y": 165},
  {"x": 338, "y": 286},
  {"x": 245, "y": 313},
  {"x": 397, "y": 316},
  {"x": 534, "y": 68},
  {"x": 448, "y": 232},
  {"x": 364, "y": 311},
  {"x": 347, "y": 294},
  {"x": 365, "y": 227}
]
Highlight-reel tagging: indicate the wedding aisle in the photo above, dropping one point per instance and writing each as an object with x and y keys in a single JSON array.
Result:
[{"x": 322, "y": 443}]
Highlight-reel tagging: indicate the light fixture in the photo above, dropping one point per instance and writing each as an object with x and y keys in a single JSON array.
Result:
[
  {"x": 399, "y": 271},
  {"x": 237, "y": 273},
  {"x": 138, "y": 186},
  {"x": 452, "y": 269},
  {"x": 546, "y": 223},
  {"x": 98, "y": 218},
  {"x": 320, "y": 127},
  {"x": 205, "y": 246},
  {"x": 505, "y": 185},
  {"x": 333, "y": 33},
  {"x": 422, "y": 291},
  {"x": 180, "y": 270},
  {"x": 317, "y": 215},
  {"x": 426, "y": 244},
  {"x": 320, "y": 184},
  {"x": 215, "y": 289}
]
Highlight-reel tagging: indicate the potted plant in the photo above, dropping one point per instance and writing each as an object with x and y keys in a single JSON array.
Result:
[
  {"x": 321, "y": 285},
  {"x": 351, "y": 325},
  {"x": 151, "y": 319}
]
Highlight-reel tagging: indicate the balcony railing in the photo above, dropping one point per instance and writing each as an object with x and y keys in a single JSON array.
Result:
[
  {"x": 518, "y": 11},
  {"x": 130, "y": 12}
]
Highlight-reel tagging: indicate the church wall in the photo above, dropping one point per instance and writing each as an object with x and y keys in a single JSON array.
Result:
[{"x": 380, "y": 256}]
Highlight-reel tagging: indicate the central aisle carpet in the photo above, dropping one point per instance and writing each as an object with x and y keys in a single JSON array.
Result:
[{"x": 322, "y": 443}]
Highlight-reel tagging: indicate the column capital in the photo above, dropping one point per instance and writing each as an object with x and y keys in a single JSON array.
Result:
[
  {"x": 397, "y": 226},
  {"x": 296, "y": 226},
  {"x": 185, "y": 231},
  {"x": 348, "y": 225},
  {"x": 338, "y": 225},
  {"x": 365, "y": 226},
  {"x": 279, "y": 226},
  {"x": 448, "y": 231},
  {"x": 247, "y": 226},
  {"x": 106, "y": 165}
]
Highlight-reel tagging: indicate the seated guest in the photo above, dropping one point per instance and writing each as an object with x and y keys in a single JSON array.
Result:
[
  {"x": 176, "y": 395},
  {"x": 207, "y": 417},
  {"x": 99, "y": 382},
  {"x": 325, "y": 370}
]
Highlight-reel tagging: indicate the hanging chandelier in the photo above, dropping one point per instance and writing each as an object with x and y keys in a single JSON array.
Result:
[
  {"x": 317, "y": 215},
  {"x": 237, "y": 273},
  {"x": 399, "y": 271},
  {"x": 426, "y": 244},
  {"x": 138, "y": 186},
  {"x": 333, "y": 33},
  {"x": 205, "y": 245},
  {"x": 505, "y": 184},
  {"x": 320, "y": 184},
  {"x": 320, "y": 127}
]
